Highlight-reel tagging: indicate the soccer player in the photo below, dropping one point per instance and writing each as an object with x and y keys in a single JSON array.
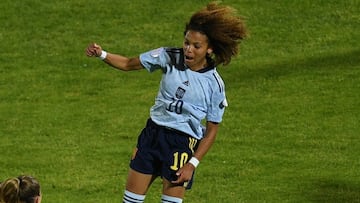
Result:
[{"x": 174, "y": 140}]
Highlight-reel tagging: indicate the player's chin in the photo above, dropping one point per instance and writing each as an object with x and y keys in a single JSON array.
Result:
[{"x": 189, "y": 62}]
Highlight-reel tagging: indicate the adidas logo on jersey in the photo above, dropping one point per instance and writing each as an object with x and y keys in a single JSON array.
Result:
[{"x": 186, "y": 83}]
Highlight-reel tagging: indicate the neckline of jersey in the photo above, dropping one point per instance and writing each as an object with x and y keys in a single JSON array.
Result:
[{"x": 203, "y": 70}]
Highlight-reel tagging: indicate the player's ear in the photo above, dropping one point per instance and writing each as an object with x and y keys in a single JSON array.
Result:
[
  {"x": 38, "y": 199},
  {"x": 209, "y": 51}
]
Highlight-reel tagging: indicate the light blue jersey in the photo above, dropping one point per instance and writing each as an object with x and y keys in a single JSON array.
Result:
[{"x": 185, "y": 97}]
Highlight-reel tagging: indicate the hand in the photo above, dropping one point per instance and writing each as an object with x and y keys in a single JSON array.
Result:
[
  {"x": 93, "y": 50},
  {"x": 184, "y": 174}
]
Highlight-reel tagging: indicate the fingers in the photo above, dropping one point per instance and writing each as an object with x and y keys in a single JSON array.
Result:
[
  {"x": 93, "y": 50},
  {"x": 180, "y": 179},
  {"x": 97, "y": 46},
  {"x": 89, "y": 52},
  {"x": 184, "y": 174}
]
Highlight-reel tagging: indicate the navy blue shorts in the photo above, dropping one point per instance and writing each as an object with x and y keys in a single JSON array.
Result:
[{"x": 162, "y": 151}]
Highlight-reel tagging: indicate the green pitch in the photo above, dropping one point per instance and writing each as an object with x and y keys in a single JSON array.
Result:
[{"x": 290, "y": 133}]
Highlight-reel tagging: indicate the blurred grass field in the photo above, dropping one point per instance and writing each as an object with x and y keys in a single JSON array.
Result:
[{"x": 290, "y": 133}]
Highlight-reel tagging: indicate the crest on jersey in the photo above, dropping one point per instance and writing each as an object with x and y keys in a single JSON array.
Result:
[
  {"x": 155, "y": 53},
  {"x": 186, "y": 83},
  {"x": 180, "y": 93}
]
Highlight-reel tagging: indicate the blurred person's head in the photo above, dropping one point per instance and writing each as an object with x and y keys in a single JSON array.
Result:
[{"x": 22, "y": 189}]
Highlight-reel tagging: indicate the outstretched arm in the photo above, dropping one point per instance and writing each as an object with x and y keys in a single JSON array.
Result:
[{"x": 115, "y": 60}]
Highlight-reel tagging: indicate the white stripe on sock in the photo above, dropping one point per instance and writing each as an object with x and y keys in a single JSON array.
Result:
[
  {"x": 130, "y": 197},
  {"x": 169, "y": 199}
]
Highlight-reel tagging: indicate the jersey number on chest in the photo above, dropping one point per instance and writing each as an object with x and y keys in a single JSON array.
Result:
[{"x": 175, "y": 106}]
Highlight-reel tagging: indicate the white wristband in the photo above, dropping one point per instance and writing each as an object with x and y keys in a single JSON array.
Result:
[
  {"x": 194, "y": 161},
  {"x": 103, "y": 55}
]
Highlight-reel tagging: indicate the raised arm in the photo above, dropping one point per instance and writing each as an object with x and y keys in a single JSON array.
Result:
[{"x": 115, "y": 60}]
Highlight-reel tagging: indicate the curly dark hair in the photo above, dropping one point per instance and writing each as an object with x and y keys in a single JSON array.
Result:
[{"x": 223, "y": 27}]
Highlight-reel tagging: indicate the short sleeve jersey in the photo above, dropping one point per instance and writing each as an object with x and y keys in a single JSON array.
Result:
[{"x": 185, "y": 97}]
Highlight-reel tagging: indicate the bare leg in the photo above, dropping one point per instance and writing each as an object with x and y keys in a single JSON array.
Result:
[
  {"x": 173, "y": 190},
  {"x": 138, "y": 182}
]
